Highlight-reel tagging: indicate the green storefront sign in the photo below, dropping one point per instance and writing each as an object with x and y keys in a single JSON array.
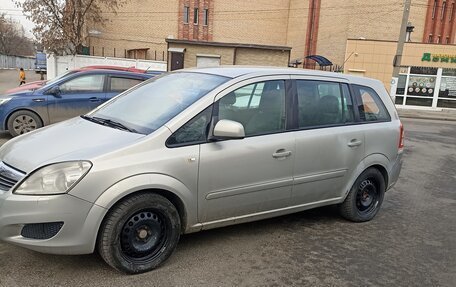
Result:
[{"x": 443, "y": 58}]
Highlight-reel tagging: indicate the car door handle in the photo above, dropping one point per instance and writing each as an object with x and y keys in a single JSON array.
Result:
[
  {"x": 355, "y": 143},
  {"x": 38, "y": 100},
  {"x": 94, "y": 99},
  {"x": 281, "y": 153}
]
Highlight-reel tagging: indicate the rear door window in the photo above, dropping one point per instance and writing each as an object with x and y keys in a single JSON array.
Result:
[
  {"x": 119, "y": 84},
  {"x": 323, "y": 103}
]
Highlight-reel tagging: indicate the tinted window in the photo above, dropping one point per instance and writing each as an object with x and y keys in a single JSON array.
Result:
[
  {"x": 323, "y": 103},
  {"x": 370, "y": 106},
  {"x": 259, "y": 107},
  {"x": 123, "y": 84},
  {"x": 83, "y": 84},
  {"x": 194, "y": 131},
  {"x": 150, "y": 105}
]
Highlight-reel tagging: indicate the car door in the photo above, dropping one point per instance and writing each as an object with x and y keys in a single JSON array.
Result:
[
  {"x": 118, "y": 83},
  {"x": 254, "y": 174},
  {"x": 329, "y": 145},
  {"x": 76, "y": 96}
]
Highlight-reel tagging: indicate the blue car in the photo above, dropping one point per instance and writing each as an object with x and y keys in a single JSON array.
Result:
[{"x": 64, "y": 98}]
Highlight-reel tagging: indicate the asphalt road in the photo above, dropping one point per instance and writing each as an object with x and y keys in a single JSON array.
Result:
[
  {"x": 411, "y": 242},
  {"x": 10, "y": 79}
]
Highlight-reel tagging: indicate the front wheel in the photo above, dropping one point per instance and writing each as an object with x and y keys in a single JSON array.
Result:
[
  {"x": 365, "y": 197},
  {"x": 139, "y": 233},
  {"x": 23, "y": 121}
]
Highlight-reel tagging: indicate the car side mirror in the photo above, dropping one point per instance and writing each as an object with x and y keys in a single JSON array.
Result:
[
  {"x": 226, "y": 129},
  {"x": 55, "y": 91}
]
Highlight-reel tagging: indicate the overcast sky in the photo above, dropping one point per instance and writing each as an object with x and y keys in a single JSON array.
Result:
[{"x": 8, "y": 7}]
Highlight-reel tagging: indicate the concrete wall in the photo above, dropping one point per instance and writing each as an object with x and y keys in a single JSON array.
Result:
[
  {"x": 15, "y": 62},
  {"x": 255, "y": 22},
  {"x": 147, "y": 23},
  {"x": 297, "y": 28},
  {"x": 255, "y": 57},
  {"x": 57, "y": 65},
  {"x": 138, "y": 24},
  {"x": 341, "y": 20},
  {"x": 228, "y": 55},
  {"x": 374, "y": 59},
  {"x": 191, "y": 51}
]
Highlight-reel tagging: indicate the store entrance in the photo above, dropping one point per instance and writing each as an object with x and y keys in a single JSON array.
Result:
[{"x": 426, "y": 87}]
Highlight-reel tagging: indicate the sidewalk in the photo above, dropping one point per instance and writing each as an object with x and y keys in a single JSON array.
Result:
[{"x": 437, "y": 114}]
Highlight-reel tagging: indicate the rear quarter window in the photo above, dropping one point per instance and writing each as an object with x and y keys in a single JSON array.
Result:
[{"x": 370, "y": 105}]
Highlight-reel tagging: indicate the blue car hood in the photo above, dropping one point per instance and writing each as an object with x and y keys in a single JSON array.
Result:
[
  {"x": 18, "y": 94},
  {"x": 75, "y": 139}
]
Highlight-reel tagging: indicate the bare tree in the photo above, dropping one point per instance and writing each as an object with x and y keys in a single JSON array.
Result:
[
  {"x": 61, "y": 25},
  {"x": 12, "y": 38}
]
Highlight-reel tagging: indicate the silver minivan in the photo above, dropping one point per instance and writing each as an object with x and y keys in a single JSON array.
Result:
[{"x": 199, "y": 149}]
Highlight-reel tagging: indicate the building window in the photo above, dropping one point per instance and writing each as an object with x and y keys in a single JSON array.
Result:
[
  {"x": 430, "y": 38},
  {"x": 195, "y": 19},
  {"x": 438, "y": 40},
  {"x": 448, "y": 40},
  {"x": 206, "y": 17},
  {"x": 433, "y": 9},
  {"x": 186, "y": 12},
  {"x": 443, "y": 10}
]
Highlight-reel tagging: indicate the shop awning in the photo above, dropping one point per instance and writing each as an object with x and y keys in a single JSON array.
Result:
[{"x": 322, "y": 61}]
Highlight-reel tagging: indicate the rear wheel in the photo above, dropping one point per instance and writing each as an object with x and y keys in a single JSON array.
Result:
[
  {"x": 365, "y": 197},
  {"x": 139, "y": 233},
  {"x": 23, "y": 121}
]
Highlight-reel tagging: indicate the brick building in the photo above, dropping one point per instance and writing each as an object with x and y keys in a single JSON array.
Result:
[{"x": 141, "y": 27}]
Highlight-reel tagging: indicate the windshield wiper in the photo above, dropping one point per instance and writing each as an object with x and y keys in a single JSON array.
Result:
[{"x": 109, "y": 123}]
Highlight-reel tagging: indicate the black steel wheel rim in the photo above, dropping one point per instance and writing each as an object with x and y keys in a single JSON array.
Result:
[
  {"x": 143, "y": 236},
  {"x": 367, "y": 197}
]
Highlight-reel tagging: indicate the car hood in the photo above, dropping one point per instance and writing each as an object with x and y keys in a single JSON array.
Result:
[
  {"x": 17, "y": 94},
  {"x": 27, "y": 87},
  {"x": 75, "y": 139}
]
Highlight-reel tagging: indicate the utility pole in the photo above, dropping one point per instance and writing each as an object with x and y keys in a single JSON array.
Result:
[{"x": 400, "y": 49}]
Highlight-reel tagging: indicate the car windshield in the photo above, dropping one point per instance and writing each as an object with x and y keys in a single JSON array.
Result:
[{"x": 153, "y": 103}]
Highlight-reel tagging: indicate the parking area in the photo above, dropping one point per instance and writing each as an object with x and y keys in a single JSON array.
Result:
[{"x": 411, "y": 242}]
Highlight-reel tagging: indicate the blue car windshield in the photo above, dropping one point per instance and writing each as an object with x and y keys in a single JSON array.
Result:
[{"x": 147, "y": 107}]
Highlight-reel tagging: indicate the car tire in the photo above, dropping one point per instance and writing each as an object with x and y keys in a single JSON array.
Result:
[
  {"x": 365, "y": 197},
  {"x": 23, "y": 121},
  {"x": 139, "y": 233}
]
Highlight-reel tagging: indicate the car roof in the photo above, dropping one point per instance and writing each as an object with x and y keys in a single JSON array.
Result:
[
  {"x": 239, "y": 71},
  {"x": 112, "y": 72}
]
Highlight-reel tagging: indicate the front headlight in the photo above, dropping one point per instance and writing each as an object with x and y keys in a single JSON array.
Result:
[
  {"x": 4, "y": 101},
  {"x": 54, "y": 179}
]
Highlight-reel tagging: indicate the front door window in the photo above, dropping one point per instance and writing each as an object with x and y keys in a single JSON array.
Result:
[
  {"x": 259, "y": 107},
  {"x": 83, "y": 84}
]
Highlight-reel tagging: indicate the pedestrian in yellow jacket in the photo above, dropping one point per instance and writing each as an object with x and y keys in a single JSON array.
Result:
[{"x": 21, "y": 76}]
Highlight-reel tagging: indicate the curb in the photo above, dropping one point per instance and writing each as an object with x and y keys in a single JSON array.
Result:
[{"x": 437, "y": 118}]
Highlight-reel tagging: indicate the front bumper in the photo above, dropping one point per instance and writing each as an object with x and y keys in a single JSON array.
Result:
[{"x": 80, "y": 218}]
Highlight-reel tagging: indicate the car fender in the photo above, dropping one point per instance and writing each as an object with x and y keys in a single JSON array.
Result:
[
  {"x": 150, "y": 181},
  {"x": 370, "y": 160}
]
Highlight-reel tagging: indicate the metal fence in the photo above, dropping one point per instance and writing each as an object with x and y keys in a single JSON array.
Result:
[{"x": 14, "y": 62}]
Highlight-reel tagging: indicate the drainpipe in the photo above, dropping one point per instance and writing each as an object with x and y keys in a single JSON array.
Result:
[{"x": 234, "y": 55}]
